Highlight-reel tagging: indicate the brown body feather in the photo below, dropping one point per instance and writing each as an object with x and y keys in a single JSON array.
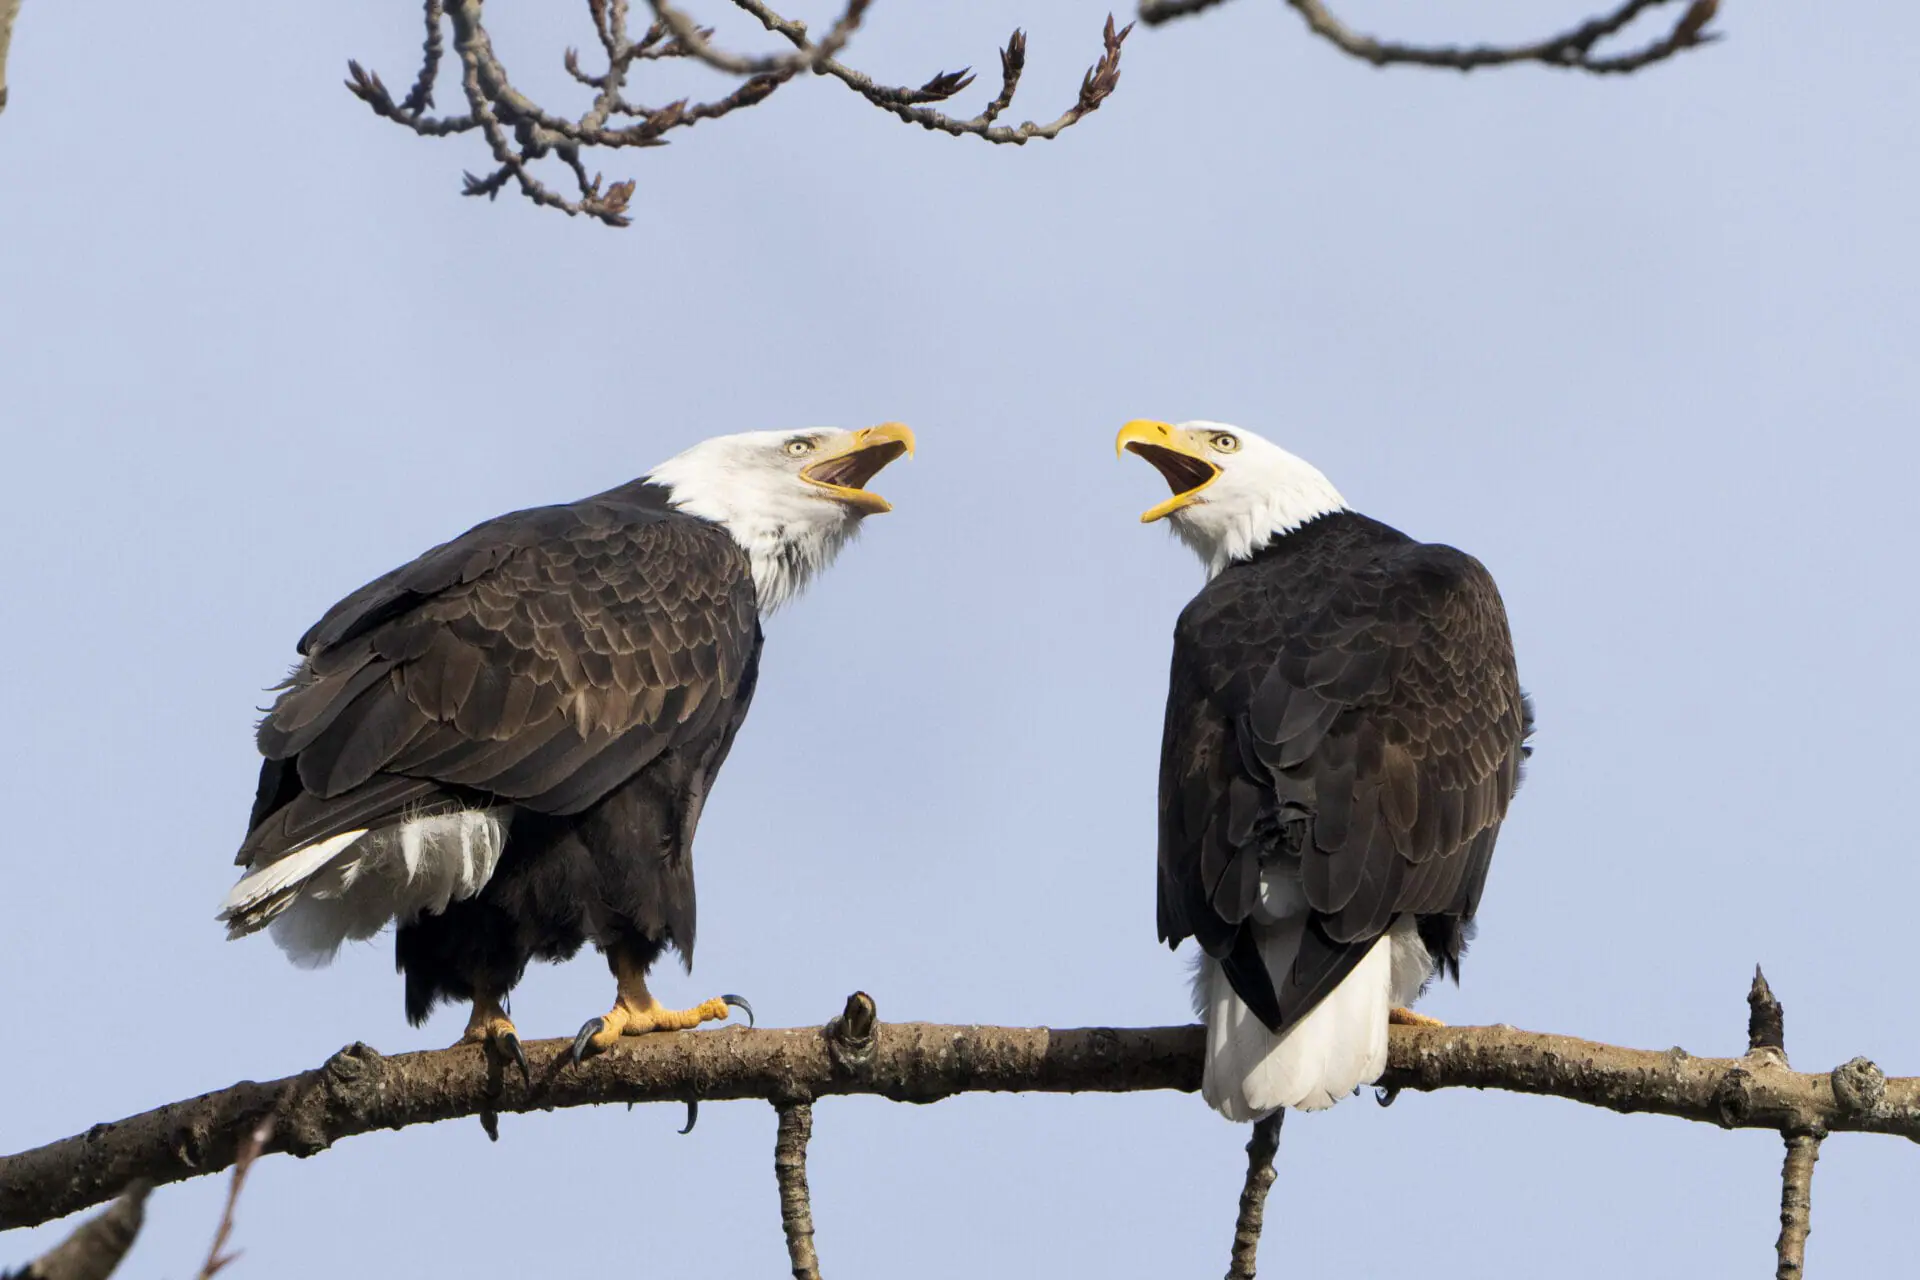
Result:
[
  {"x": 581, "y": 669},
  {"x": 1346, "y": 697}
]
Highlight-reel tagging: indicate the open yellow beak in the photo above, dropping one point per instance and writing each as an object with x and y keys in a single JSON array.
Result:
[
  {"x": 845, "y": 472},
  {"x": 1176, "y": 454}
]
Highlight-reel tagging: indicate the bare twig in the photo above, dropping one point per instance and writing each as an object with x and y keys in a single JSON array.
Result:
[
  {"x": 790, "y": 1169},
  {"x": 1572, "y": 49},
  {"x": 1155, "y": 12},
  {"x": 1261, "y": 1147},
  {"x": 250, "y": 1150},
  {"x": 96, "y": 1247},
  {"x": 1796, "y": 1204},
  {"x": 693, "y": 40},
  {"x": 1095, "y": 87},
  {"x": 519, "y": 132},
  {"x": 1766, "y": 1020},
  {"x": 9, "y": 10},
  {"x": 358, "y": 1090}
]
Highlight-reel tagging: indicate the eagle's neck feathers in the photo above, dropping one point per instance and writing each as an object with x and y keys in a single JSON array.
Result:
[
  {"x": 788, "y": 533},
  {"x": 1258, "y": 497}
]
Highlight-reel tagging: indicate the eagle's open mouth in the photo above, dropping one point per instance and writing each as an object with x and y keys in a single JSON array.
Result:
[
  {"x": 845, "y": 474},
  {"x": 1179, "y": 458},
  {"x": 1184, "y": 473}
]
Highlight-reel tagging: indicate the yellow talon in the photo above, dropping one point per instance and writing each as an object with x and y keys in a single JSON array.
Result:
[
  {"x": 1408, "y": 1018},
  {"x": 492, "y": 1029},
  {"x": 636, "y": 1013}
]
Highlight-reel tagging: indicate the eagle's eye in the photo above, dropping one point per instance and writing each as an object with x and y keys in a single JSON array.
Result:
[
  {"x": 1224, "y": 441},
  {"x": 799, "y": 447}
]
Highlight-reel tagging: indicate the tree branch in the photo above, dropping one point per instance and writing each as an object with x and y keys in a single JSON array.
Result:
[
  {"x": 790, "y": 1170},
  {"x": 520, "y": 132},
  {"x": 96, "y": 1247},
  {"x": 1253, "y": 1196},
  {"x": 250, "y": 1151},
  {"x": 9, "y": 10},
  {"x": 1572, "y": 49},
  {"x": 1796, "y": 1204},
  {"x": 358, "y": 1090}
]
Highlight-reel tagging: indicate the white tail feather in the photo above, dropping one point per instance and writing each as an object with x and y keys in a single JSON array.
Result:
[
  {"x": 1339, "y": 1045},
  {"x": 351, "y": 886},
  {"x": 257, "y": 888}
]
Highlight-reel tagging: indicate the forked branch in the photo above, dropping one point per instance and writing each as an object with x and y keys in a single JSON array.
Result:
[
  {"x": 520, "y": 133},
  {"x": 1574, "y": 49}
]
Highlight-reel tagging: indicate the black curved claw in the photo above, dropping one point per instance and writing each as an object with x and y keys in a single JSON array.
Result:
[
  {"x": 693, "y": 1114},
  {"x": 510, "y": 1045},
  {"x": 740, "y": 1003},
  {"x": 593, "y": 1028},
  {"x": 1385, "y": 1097}
]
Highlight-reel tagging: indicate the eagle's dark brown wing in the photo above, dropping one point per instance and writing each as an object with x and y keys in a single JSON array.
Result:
[
  {"x": 542, "y": 658},
  {"x": 1344, "y": 707}
]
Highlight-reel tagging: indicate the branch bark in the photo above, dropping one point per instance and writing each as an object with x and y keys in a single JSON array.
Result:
[
  {"x": 796, "y": 1203},
  {"x": 97, "y": 1246},
  {"x": 1796, "y": 1204},
  {"x": 358, "y": 1090},
  {"x": 1253, "y": 1196}
]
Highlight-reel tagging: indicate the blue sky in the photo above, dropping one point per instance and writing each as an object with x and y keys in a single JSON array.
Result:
[{"x": 1643, "y": 346}]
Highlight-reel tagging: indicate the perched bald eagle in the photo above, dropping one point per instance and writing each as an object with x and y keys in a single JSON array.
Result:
[
  {"x": 504, "y": 746},
  {"x": 1344, "y": 730}
]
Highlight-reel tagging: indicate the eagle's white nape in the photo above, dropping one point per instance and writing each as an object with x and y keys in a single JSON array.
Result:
[
  {"x": 1262, "y": 492},
  {"x": 351, "y": 886},
  {"x": 789, "y": 529},
  {"x": 1340, "y": 1045}
]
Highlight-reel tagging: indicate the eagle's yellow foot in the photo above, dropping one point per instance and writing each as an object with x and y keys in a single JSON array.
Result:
[
  {"x": 1408, "y": 1018},
  {"x": 630, "y": 1017},
  {"x": 491, "y": 1028}
]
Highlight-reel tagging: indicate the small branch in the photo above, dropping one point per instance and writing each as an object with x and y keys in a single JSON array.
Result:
[
  {"x": 1253, "y": 1196},
  {"x": 519, "y": 132},
  {"x": 1796, "y": 1204},
  {"x": 1095, "y": 87},
  {"x": 1155, "y": 12},
  {"x": 693, "y": 40},
  {"x": 96, "y": 1247},
  {"x": 9, "y": 10},
  {"x": 250, "y": 1150},
  {"x": 1766, "y": 1020},
  {"x": 1572, "y": 49},
  {"x": 790, "y": 1169}
]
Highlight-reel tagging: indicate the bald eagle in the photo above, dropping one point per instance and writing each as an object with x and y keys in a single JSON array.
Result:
[
  {"x": 1344, "y": 730},
  {"x": 504, "y": 746}
]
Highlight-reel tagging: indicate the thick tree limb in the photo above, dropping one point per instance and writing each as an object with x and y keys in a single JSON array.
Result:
[
  {"x": 1253, "y": 1196},
  {"x": 1572, "y": 49},
  {"x": 358, "y": 1090}
]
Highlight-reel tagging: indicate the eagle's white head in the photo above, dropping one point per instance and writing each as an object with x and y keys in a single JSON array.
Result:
[
  {"x": 1233, "y": 492},
  {"x": 791, "y": 499}
]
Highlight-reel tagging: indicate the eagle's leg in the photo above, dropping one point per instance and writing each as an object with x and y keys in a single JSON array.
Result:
[
  {"x": 490, "y": 1026},
  {"x": 635, "y": 1012},
  {"x": 1408, "y": 1018}
]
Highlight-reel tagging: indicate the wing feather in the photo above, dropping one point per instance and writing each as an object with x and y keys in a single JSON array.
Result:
[
  {"x": 543, "y": 658},
  {"x": 1344, "y": 705}
]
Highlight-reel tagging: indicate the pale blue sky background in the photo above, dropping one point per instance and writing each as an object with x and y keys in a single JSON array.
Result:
[{"x": 1644, "y": 346}]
